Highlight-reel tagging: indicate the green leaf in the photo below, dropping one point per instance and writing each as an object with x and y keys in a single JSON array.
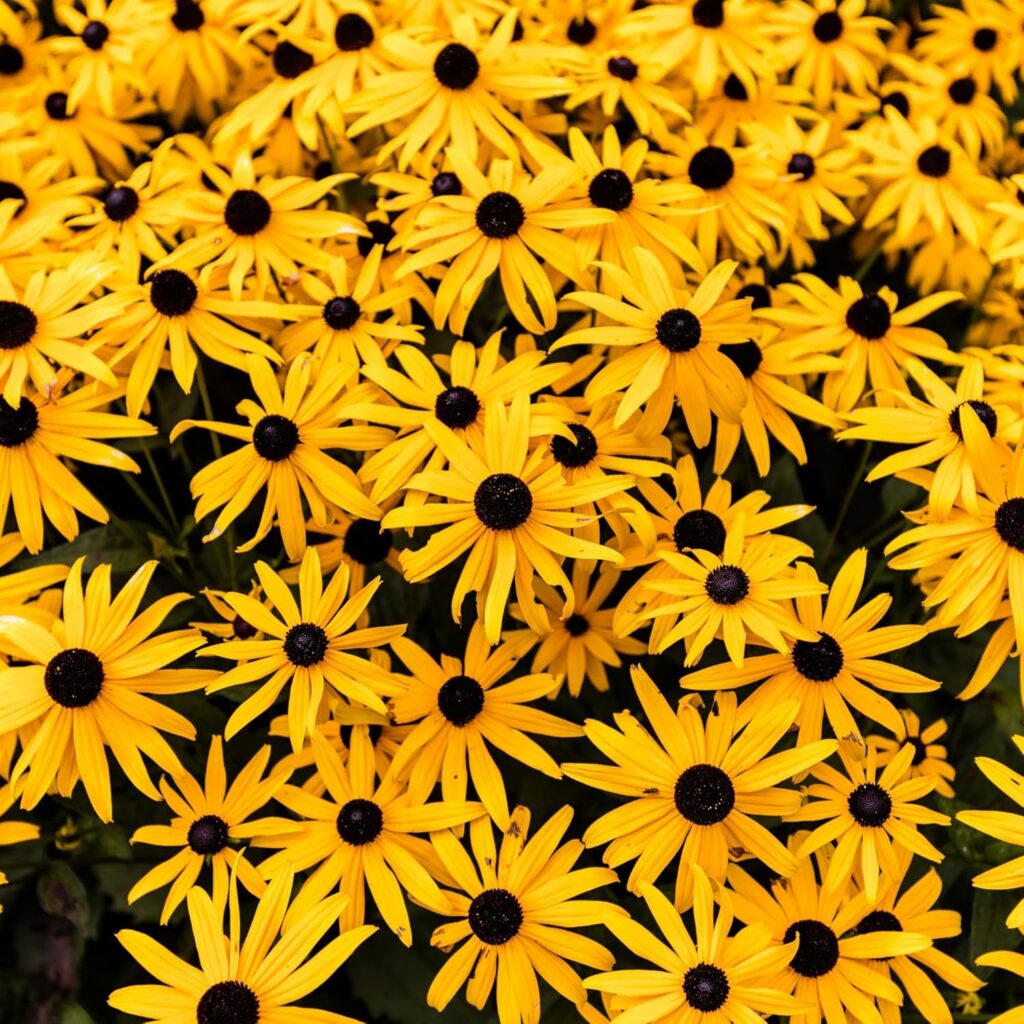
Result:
[{"x": 62, "y": 894}]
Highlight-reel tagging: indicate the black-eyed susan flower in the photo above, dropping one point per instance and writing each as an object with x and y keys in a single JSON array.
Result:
[
  {"x": 307, "y": 648},
  {"x": 516, "y": 912},
  {"x": 24, "y": 53},
  {"x": 461, "y": 708},
  {"x": 930, "y": 756},
  {"x": 362, "y": 835},
  {"x": 510, "y": 509},
  {"x": 703, "y": 975},
  {"x": 696, "y": 787},
  {"x": 872, "y": 337},
  {"x": 86, "y": 681},
  {"x": 42, "y": 192},
  {"x": 244, "y": 981},
  {"x": 673, "y": 340},
  {"x": 869, "y": 815},
  {"x": 210, "y": 820},
  {"x": 838, "y": 668},
  {"x": 286, "y": 444}
]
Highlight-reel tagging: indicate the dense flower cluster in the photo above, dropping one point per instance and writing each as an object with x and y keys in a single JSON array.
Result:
[{"x": 606, "y": 317}]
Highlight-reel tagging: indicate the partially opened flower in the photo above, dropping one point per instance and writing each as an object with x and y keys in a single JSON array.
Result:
[{"x": 930, "y": 756}]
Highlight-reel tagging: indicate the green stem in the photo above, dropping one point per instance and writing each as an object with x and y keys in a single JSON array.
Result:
[
  {"x": 871, "y": 258},
  {"x": 150, "y": 505},
  {"x": 164, "y": 496},
  {"x": 855, "y": 480},
  {"x": 204, "y": 396}
]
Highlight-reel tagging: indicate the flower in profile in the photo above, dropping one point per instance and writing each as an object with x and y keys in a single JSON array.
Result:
[
  {"x": 210, "y": 820},
  {"x": 515, "y": 912},
  {"x": 461, "y": 707},
  {"x": 930, "y": 756},
  {"x": 241, "y": 981},
  {"x": 362, "y": 835},
  {"x": 84, "y": 682},
  {"x": 703, "y": 975},
  {"x": 869, "y": 815},
  {"x": 511, "y": 513},
  {"x": 307, "y": 647},
  {"x": 285, "y": 450},
  {"x": 696, "y": 787}
]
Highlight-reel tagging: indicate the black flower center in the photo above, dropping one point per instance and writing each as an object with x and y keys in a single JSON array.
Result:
[
  {"x": 246, "y": 212},
  {"x": 341, "y": 313},
  {"x": 746, "y": 355},
  {"x": 17, "y": 324},
  {"x": 870, "y": 805},
  {"x": 275, "y": 437},
  {"x": 495, "y": 916},
  {"x": 446, "y": 184},
  {"x": 381, "y": 233},
  {"x": 95, "y": 34},
  {"x": 818, "y": 952},
  {"x": 819, "y": 660},
  {"x": 701, "y": 529},
  {"x": 11, "y": 190},
  {"x": 460, "y": 700},
  {"x": 709, "y": 13},
  {"x": 704, "y": 794},
  {"x": 984, "y": 412},
  {"x": 500, "y": 215},
  {"x": 962, "y": 91},
  {"x": 17, "y": 425},
  {"x": 1010, "y": 523},
  {"x": 898, "y": 101},
  {"x": 366, "y": 543},
  {"x": 56, "y": 105},
  {"x": 305, "y": 644},
  {"x": 457, "y": 407},
  {"x": 985, "y": 39},
  {"x": 869, "y": 316},
  {"x": 934, "y": 162},
  {"x": 74, "y": 678},
  {"x": 120, "y": 203},
  {"x": 242, "y": 630},
  {"x": 581, "y": 32},
  {"x": 290, "y": 61},
  {"x": 828, "y": 27},
  {"x": 734, "y": 89},
  {"x": 711, "y": 168},
  {"x": 208, "y": 834},
  {"x": 706, "y": 987},
  {"x": 576, "y": 624},
  {"x": 228, "y": 1002},
  {"x": 172, "y": 292},
  {"x": 802, "y": 164},
  {"x": 373, "y": 733},
  {"x": 678, "y": 330},
  {"x": 188, "y": 16},
  {"x": 611, "y": 189},
  {"x": 502, "y": 502},
  {"x": 456, "y": 67},
  {"x": 623, "y": 68},
  {"x": 11, "y": 59},
  {"x": 574, "y": 455},
  {"x": 360, "y": 822},
  {"x": 353, "y": 32},
  {"x": 760, "y": 297},
  {"x": 878, "y": 921},
  {"x": 728, "y": 584}
]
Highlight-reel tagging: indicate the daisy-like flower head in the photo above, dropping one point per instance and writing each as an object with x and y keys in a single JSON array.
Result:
[
  {"x": 362, "y": 834},
  {"x": 285, "y": 451},
  {"x": 22, "y": 52},
  {"x": 705, "y": 975},
  {"x": 833, "y": 670},
  {"x": 731, "y": 108},
  {"x": 696, "y": 787},
  {"x": 739, "y": 596},
  {"x": 37, "y": 435},
  {"x": 871, "y": 336},
  {"x": 512, "y": 514},
  {"x": 829, "y": 45},
  {"x": 210, "y": 820},
  {"x": 515, "y": 911},
  {"x": 869, "y": 815},
  {"x": 452, "y": 89},
  {"x": 476, "y": 378},
  {"x": 85, "y": 683},
  {"x": 673, "y": 338},
  {"x": 833, "y": 971},
  {"x": 954, "y": 428},
  {"x": 930, "y": 756},
  {"x": 500, "y": 222},
  {"x": 460, "y": 707},
  {"x": 242, "y": 981},
  {"x": 306, "y": 648}
]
